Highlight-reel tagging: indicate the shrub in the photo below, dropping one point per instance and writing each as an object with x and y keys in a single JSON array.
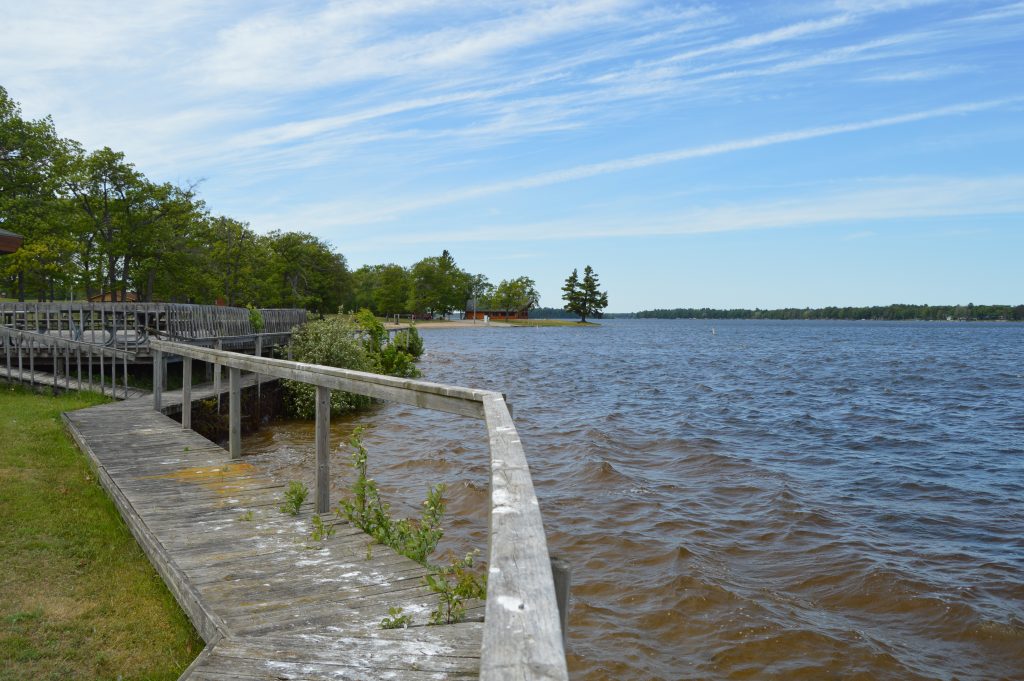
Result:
[
  {"x": 255, "y": 319},
  {"x": 410, "y": 341},
  {"x": 387, "y": 356},
  {"x": 333, "y": 341}
]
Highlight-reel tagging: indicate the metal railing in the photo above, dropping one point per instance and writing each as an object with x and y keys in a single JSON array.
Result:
[{"x": 522, "y": 631}]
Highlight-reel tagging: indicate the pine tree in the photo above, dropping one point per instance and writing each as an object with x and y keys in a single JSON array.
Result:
[{"x": 584, "y": 298}]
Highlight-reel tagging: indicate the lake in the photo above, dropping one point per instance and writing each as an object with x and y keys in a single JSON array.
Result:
[{"x": 742, "y": 499}]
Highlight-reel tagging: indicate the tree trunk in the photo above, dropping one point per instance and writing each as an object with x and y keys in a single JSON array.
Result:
[{"x": 112, "y": 276}]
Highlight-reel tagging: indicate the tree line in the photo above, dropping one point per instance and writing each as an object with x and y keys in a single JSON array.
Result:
[
  {"x": 93, "y": 224},
  {"x": 896, "y": 312},
  {"x": 437, "y": 286}
]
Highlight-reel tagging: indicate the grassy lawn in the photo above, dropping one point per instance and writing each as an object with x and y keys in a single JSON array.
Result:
[{"x": 78, "y": 597}]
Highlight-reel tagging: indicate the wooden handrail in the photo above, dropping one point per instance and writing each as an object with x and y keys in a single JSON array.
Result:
[
  {"x": 181, "y": 320},
  {"x": 47, "y": 339},
  {"x": 522, "y": 637},
  {"x": 15, "y": 338}
]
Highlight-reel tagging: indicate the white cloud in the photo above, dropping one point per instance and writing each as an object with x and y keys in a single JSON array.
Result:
[
  {"x": 581, "y": 172},
  {"x": 878, "y": 200}
]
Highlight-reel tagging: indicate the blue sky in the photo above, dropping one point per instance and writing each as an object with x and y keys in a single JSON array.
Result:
[{"x": 759, "y": 154}]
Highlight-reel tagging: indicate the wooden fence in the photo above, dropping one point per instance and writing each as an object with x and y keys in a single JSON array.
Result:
[
  {"x": 65, "y": 356},
  {"x": 522, "y": 636},
  {"x": 128, "y": 325}
]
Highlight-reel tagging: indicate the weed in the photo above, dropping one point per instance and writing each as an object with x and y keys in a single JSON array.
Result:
[
  {"x": 246, "y": 517},
  {"x": 455, "y": 584},
  {"x": 396, "y": 619},
  {"x": 293, "y": 497},
  {"x": 366, "y": 510},
  {"x": 320, "y": 531}
]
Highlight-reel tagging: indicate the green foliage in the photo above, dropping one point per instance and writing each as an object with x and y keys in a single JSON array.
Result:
[
  {"x": 512, "y": 295},
  {"x": 293, "y": 497},
  {"x": 376, "y": 336},
  {"x": 384, "y": 289},
  {"x": 396, "y": 620},
  {"x": 367, "y": 511},
  {"x": 303, "y": 271},
  {"x": 332, "y": 341},
  {"x": 583, "y": 297},
  {"x": 321, "y": 532},
  {"x": 255, "y": 319},
  {"x": 386, "y": 355},
  {"x": 455, "y": 584},
  {"x": 246, "y": 517},
  {"x": 410, "y": 341},
  {"x": 437, "y": 285}
]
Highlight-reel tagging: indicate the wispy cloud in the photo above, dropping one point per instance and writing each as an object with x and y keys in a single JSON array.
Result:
[
  {"x": 893, "y": 199},
  {"x": 932, "y": 73},
  {"x": 589, "y": 170}
]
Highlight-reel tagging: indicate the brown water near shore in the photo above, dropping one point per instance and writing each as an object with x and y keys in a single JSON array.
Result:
[{"x": 777, "y": 500}]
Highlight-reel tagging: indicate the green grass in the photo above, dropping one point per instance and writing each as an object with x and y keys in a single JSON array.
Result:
[{"x": 78, "y": 597}]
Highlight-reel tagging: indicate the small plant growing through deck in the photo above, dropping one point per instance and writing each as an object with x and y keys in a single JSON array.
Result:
[
  {"x": 367, "y": 511},
  {"x": 396, "y": 620},
  {"x": 321, "y": 532},
  {"x": 246, "y": 517},
  {"x": 293, "y": 497},
  {"x": 455, "y": 584}
]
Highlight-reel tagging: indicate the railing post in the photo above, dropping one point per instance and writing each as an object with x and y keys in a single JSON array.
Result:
[
  {"x": 562, "y": 573},
  {"x": 259, "y": 390},
  {"x": 235, "y": 412},
  {"x": 186, "y": 393},
  {"x": 323, "y": 461},
  {"x": 216, "y": 375},
  {"x": 158, "y": 379}
]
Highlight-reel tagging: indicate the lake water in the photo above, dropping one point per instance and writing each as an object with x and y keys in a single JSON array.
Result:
[{"x": 741, "y": 499}]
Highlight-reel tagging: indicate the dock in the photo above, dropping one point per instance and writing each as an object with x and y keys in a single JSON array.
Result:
[
  {"x": 273, "y": 603},
  {"x": 270, "y": 602}
]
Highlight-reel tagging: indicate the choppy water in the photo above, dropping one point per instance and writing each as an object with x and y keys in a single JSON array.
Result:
[{"x": 798, "y": 500}]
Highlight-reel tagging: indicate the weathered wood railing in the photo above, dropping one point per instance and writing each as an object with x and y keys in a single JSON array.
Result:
[
  {"x": 125, "y": 324},
  {"x": 522, "y": 637},
  {"x": 21, "y": 348}
]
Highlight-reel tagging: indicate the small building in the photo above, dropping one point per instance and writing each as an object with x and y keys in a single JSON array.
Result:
[
  {"x": 498, "y": 315},
  {"x": 9, "y": 242}
]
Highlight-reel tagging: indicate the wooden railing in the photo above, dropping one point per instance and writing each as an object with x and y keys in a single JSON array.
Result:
[
  {"x": 522, "y": 636},
  {"x": 127, "y": 325},
  {"x": 21, "y": 348}
]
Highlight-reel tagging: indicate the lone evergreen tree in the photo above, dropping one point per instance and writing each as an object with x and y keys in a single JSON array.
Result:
[{"x": 584, "y": 298}]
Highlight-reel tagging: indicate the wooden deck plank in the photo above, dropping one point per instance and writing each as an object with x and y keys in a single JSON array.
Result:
[{"x": 271, "y": 602}]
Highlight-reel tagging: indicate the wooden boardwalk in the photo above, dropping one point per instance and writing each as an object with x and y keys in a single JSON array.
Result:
[
  {"x": 49, "y": 380},
  {"x": 270, "y": 602}
]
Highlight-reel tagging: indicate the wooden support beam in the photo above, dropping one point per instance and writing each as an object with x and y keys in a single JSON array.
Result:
[
  {"x": 216, "y": 375},
  {"x": 186, "y": 393},
  {"x": 562, "y": 573},
  {"x": 323, "y": 449},
  {"x": 235, "y": 412},
  {"x": 158, "y": 379}
]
